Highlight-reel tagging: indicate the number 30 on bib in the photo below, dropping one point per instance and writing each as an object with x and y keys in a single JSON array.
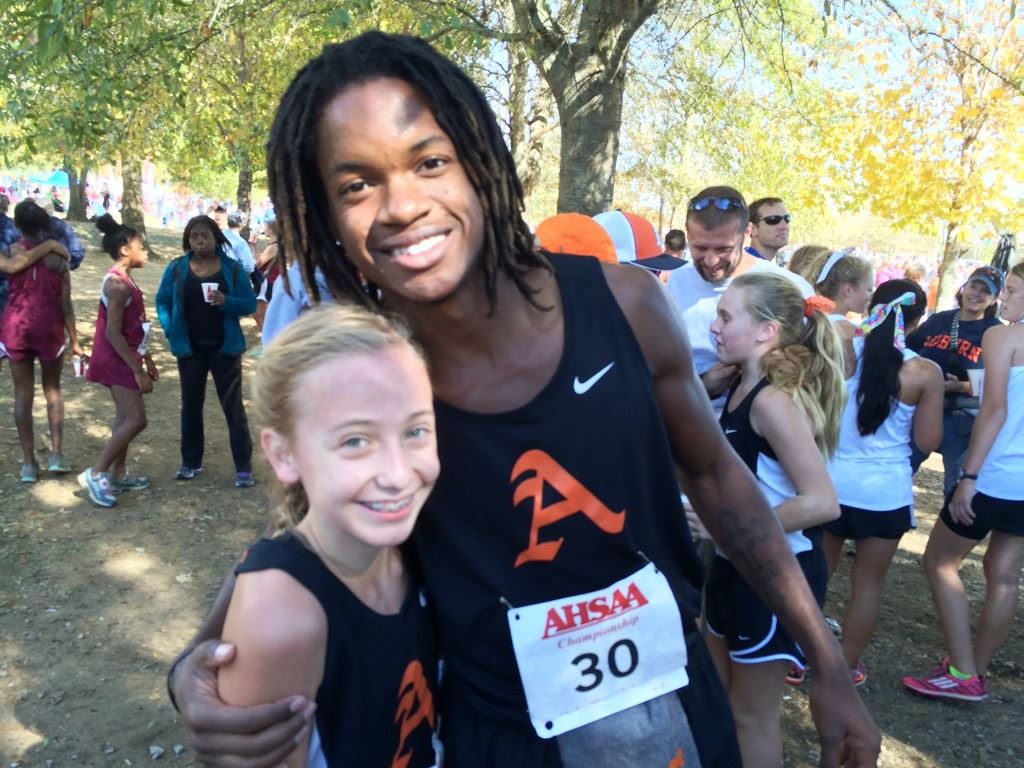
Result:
[{"x": 584, "y": 657}]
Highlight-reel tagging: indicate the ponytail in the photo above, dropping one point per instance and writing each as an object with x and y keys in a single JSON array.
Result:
[
  {"x": 882, "y": 357},
  {"x": 115, "y": 236},
  {"x": 807, "y": 363}
]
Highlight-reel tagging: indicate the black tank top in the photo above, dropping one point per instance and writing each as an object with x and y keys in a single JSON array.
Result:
[
  {"x": 752, "y": 448},
  {"x": 379, "y": 671},
  {"x": 736, "y": 424},
  {"x": 587, "y": 461}
]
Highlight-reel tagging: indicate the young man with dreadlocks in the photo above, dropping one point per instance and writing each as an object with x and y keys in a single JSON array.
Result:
[{"x": 555, "y": 551}]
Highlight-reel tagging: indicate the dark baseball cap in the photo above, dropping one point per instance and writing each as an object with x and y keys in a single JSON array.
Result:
[{"x": 990, "y": 276}]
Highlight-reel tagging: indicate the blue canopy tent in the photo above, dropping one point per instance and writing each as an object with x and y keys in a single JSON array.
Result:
[{"x": 58, "y": 178}]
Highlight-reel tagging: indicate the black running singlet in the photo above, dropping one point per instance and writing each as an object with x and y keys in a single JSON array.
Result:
[
  {"x": 376, "y": 704},
  {"x": 562, "y": 496},
  {"x": 736, "y": 424},
  {"x": 760, "y": 459}
]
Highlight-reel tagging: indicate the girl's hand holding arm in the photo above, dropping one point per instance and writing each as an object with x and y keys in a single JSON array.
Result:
[{"x": 151, "y": 369}]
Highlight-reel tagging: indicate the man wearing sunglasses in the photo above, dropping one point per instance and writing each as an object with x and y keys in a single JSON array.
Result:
[
  {"x": 769, "y": 228},
  {"x": 716, "y": 222}
]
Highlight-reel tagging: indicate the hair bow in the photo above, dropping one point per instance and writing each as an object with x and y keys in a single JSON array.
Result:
[
  {"x": 818, "y": 304},
  {"x": 880, "y": 312}
]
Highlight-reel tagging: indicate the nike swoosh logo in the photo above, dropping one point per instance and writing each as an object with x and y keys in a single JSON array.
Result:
[
  {"x": 730, "y": 431},
  {"x": 582, "y": 387}
]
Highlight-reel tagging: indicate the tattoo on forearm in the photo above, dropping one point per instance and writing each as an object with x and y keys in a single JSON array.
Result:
[{"x": 746, "y": 540}]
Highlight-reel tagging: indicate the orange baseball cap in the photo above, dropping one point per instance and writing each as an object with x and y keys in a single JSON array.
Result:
[{"x": 576, "y": 234}]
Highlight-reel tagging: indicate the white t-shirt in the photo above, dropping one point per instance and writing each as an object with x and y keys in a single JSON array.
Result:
[
  {"x": 239, "y": 250},
  {"x": 697, "y": 302}
]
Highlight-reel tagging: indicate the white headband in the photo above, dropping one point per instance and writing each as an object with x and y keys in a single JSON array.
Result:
[{"x": 832, "y": 261}]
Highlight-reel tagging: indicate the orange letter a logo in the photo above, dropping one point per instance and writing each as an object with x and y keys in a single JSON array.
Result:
[
  {"x": 415, "y": 707},
  {"x": 577, "y": 499}
]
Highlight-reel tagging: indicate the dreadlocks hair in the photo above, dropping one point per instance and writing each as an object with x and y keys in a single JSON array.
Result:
[{"x": 298, "y": 194}]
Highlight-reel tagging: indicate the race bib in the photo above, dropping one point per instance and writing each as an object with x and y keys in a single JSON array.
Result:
[
  {"x": 143, "y": 348},
  {"x": 584, "y": 657}
]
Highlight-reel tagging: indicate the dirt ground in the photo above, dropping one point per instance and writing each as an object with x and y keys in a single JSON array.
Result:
[{"x": 94, "y": 603}]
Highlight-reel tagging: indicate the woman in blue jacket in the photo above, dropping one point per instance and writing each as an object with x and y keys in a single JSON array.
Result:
[{"x": 201, "y": 297}]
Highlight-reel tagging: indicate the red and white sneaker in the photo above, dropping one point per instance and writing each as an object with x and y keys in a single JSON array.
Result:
[
  {"x": 859, "y": 675},
  {"x": 941, "y": 685},
  {"x": 796, "y": 675}
]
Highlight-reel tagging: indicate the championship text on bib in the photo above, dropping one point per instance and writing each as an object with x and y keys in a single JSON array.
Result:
[{"x": 584, "y": 657}]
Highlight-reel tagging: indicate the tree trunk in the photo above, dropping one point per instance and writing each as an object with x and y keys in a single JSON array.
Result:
[
  {"x": 951, "y": 252},
  {"x": 131, "y": 197},
  {"x": 590, "y": 113},
  {"x": 519, "y": 71},
  {"x": 76, "y": 192},
  {"x": 586, "y": 72},
  {"x": 243, "y": 195}
]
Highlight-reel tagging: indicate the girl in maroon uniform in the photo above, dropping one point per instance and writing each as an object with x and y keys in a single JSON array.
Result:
[{"x": 120, "y": 361}]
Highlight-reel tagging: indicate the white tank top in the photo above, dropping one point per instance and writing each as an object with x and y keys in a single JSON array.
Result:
[
  {"x": 872, "y": 472},
  {"x": 1001, "y": 474}
]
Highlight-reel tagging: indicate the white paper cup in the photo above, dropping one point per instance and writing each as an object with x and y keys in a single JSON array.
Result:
[
  {"x": 208, "y": 289},
  {"x": 78, "y": 365},
  {"x": 977, "y": 377}
]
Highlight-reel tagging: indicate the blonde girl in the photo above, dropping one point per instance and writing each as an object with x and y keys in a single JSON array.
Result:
[
  {"x": 782, "y": 418},
  {"x": 807, "y": 260},
  {"x": 840, "y": 276},
  {"x": 330, "y": 608}
]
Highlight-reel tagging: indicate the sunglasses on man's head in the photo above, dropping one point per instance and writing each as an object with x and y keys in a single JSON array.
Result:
[
  {"x": 776, "y": 218},
  {"x": 718, "y": 203}
]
